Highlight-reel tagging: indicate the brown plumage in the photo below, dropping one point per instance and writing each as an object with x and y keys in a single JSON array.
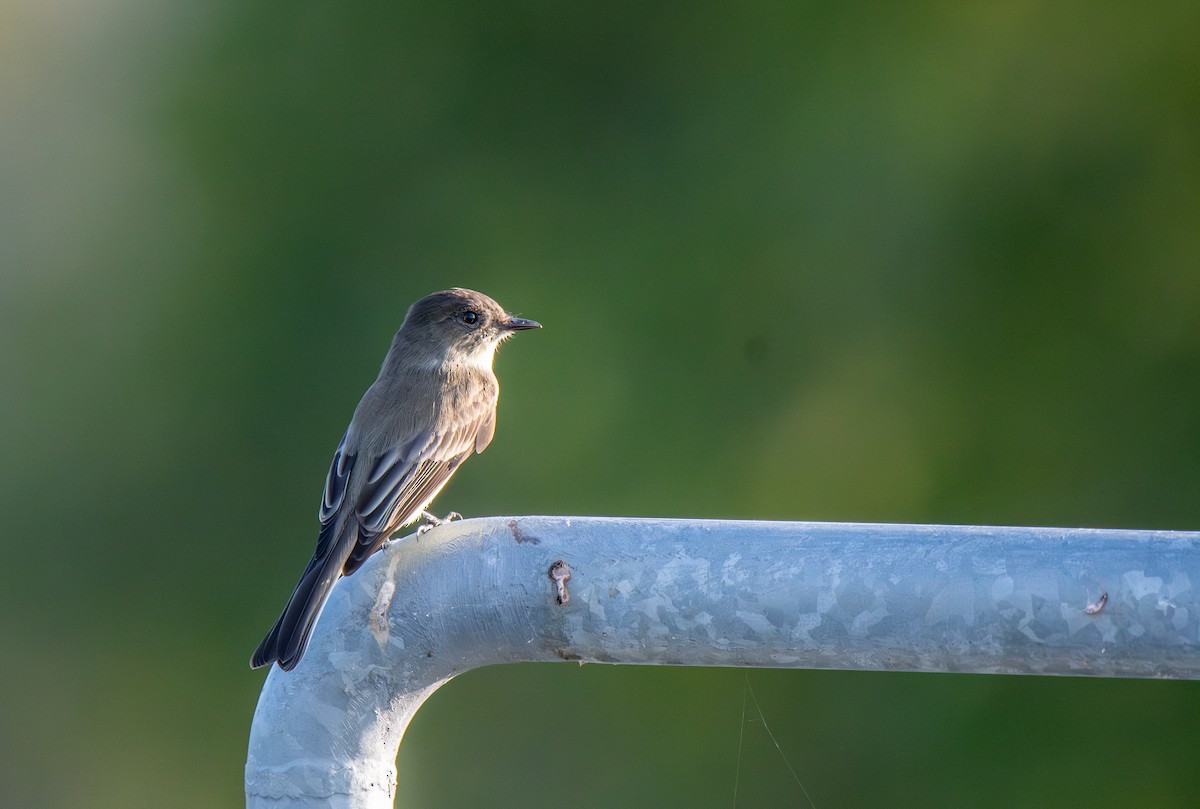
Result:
[{"x": 433, "y": 404}]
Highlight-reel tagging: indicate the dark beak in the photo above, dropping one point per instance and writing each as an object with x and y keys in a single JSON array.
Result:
[{"x": 520, "y": 323}]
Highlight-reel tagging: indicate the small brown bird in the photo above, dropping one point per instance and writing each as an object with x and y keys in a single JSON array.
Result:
[{"x": 433, "y": 404}]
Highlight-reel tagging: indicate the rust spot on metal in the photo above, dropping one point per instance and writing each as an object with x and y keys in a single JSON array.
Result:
[
  {"x": 1094, "y": 609},
  {"x": 521, "y": 536},
  {"x": 560, "y": 574}
]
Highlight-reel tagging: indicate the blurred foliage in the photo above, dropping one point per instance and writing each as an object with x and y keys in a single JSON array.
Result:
[{"x": 928, "y": 262}]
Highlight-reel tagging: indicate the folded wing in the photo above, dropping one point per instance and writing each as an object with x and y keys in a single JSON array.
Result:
[{"x": 404, "y": 480}]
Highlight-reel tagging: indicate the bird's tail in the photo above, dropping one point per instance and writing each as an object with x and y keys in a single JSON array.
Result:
[{"x": 288, "y": 639}]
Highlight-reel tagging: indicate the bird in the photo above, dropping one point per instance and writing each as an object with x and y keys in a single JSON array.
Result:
[{"x": 432, "y": 406}]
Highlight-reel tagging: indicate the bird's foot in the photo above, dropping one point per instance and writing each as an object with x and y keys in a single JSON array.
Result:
[{"x": 433, "y": 521}]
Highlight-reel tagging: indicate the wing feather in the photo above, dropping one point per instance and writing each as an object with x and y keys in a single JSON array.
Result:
[
  {"x": 335, "y": 482},
  {"x": 487, "y": 429},
  {"x": 403, "y": 483}
]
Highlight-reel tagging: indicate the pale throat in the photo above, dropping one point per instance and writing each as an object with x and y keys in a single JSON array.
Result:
[{"x": 479, "y": 359}]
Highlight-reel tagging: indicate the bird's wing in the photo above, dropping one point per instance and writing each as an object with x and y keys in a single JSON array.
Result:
[{"x": 404, "y": 479}]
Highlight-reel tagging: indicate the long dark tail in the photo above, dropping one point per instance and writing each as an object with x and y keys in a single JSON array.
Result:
[{"x": 288, "y": 639}]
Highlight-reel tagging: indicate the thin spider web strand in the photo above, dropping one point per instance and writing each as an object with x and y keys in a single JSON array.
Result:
[
  {"x": 771, "y": 735},
  {"x": 741, "y": 735}
]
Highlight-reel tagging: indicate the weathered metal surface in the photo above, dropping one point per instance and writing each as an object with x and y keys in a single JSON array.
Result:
[{"x": 707, "y": 593}]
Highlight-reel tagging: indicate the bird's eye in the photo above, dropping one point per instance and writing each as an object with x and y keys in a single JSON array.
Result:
[{"x": 470, "y": 318}]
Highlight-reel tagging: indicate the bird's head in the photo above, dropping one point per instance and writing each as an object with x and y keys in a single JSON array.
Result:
[{"x": 462, "y": 324}]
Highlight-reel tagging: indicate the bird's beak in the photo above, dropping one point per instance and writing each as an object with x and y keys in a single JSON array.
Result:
[{"x": 520, "y": 323}]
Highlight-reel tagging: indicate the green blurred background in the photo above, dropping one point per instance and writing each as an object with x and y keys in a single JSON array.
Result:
[{"x": 935, "y": 263}]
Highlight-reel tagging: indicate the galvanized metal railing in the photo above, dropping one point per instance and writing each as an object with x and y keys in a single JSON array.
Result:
[{"x": 1076, "y": 602}]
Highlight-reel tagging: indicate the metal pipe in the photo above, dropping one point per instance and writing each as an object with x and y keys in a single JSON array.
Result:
[{"x": 1077, "y": 602}]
